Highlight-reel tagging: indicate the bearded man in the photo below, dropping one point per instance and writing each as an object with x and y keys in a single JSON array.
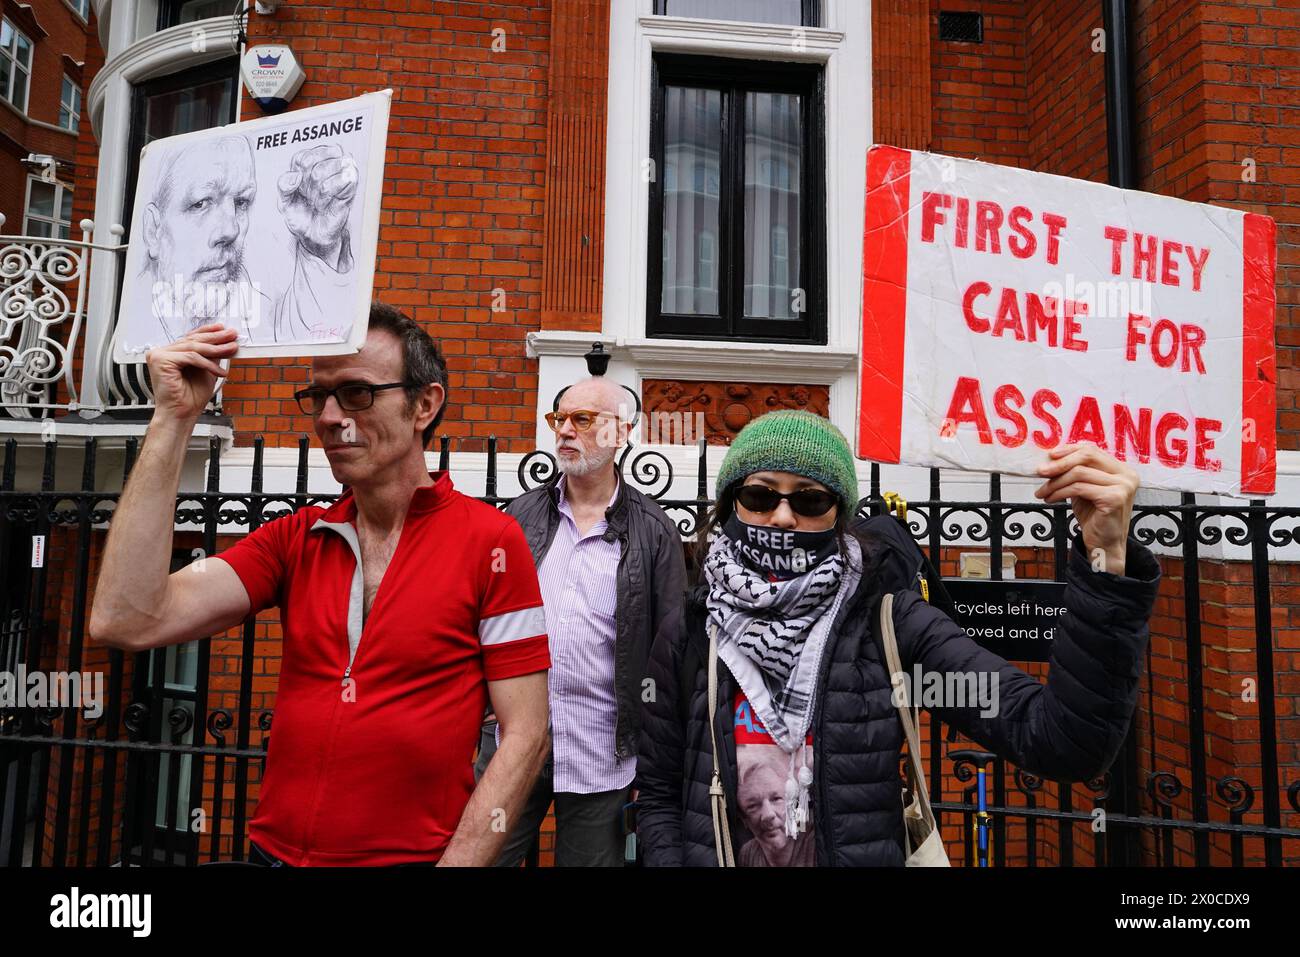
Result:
[{"x": 611, "y": 567}]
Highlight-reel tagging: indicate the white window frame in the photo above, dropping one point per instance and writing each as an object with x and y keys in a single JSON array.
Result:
[
  {"x": 843, "y": 46},
  {"x": 28, "y": 216},
  {"x": 81, "y": 8},
  {"x": 7, "y": 95},
  {"x": 73, "y": 108}
]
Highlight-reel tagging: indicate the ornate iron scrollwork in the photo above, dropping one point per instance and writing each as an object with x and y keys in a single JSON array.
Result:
[
  {"x": 180, "y": 719},
  {"x": 536, "y": 468},
  {"x": 136, "y": 718},
  {"x": 218, "y": 721},
  {"x": 1028, "y": 783},
  {"x": 1164, "y": 787},
  {"x": 646, "y": 471},
  {"x": 1236, "y": 794},
  {"x": 38, "y": 323}
]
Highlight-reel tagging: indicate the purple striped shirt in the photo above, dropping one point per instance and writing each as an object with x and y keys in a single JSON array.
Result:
[{"x": 578, "y": 579}]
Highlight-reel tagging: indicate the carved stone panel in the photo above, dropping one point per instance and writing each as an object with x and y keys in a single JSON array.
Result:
[{"x": 680, "y": 410}]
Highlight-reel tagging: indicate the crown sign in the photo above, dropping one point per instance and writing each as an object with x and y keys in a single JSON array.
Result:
[{"x": 268, "y": 60}]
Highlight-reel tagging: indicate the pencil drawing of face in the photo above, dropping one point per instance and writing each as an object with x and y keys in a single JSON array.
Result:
[{"x": 197, "y": 220}]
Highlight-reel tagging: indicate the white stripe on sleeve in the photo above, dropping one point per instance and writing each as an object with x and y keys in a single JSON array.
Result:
[{"x": 512, "y": 626}]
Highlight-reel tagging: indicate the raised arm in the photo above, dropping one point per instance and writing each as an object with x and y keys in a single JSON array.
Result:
[
  {"x": 137, "y": 603},
  {"x": 1072, "y": 727}
]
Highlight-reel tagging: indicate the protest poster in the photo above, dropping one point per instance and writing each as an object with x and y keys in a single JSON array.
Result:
[
  {"x": 269, "y": 226},
  {"x": 1006, "y": 312}
]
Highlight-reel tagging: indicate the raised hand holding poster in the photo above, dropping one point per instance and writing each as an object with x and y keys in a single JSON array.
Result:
[
  {"x": 1006, "y": 312},
  {"x": 269, "y": 226}
]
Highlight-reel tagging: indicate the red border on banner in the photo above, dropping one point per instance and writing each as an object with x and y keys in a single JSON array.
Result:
[
  {"x": 884, "y": 304},
  {"x": 1258, "y": 359}
]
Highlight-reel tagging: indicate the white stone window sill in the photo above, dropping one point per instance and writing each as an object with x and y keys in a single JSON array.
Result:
[
  {"x": 722, "y": 359},
  {"x": 765, "y": 40}
]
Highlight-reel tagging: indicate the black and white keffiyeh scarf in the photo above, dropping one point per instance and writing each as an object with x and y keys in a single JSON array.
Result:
[{"x": 771, "y": 634}]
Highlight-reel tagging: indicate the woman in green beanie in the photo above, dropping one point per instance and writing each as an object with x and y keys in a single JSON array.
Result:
[{"x": 770, "y": 735}]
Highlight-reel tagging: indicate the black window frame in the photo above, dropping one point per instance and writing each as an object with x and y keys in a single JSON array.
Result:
[
  {"x": 226, "y": 68},
  {"x": 734, "y": 78},
  {"x": 169, "y": 13},
  {"x": 810, "y": 14}
]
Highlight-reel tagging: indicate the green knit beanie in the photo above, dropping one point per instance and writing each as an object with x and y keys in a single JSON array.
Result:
[{"x": 793, "y": 440}]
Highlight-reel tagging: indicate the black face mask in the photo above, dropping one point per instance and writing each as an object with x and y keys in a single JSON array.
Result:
[{"x": 776, "y": 553}]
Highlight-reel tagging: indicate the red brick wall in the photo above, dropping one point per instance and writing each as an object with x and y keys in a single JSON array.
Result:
[
  {"x": 463, "y": 195},
  {"x": 86, "y": 152},
  {"x": 1066, "y": 89},
  {"x": 1168, "y": 90},
  {"x": 900, "y": 73},
  {"x": 978, "y": 90},
  {"x": 65, "y": 34}
]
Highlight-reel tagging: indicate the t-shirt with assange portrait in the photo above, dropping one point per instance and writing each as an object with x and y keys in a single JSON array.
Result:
[{"x": 762, "y": 772}]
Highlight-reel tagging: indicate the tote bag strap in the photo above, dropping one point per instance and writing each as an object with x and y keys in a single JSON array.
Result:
[
  {"x": 717, "y": 796},
  {"x": 909, "y": 716}
]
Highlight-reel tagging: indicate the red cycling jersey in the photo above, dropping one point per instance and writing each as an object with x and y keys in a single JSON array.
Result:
[{"x": 370, "y": 757}]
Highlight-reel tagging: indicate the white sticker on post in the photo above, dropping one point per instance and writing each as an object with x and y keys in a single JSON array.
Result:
[{"x": 38, "y": 551}]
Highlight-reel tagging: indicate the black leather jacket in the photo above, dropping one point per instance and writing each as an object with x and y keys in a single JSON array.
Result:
[{"x": 650, "y": 583}]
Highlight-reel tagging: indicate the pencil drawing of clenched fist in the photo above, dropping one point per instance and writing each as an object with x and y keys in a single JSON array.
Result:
[{"x": 315, "y": 197}]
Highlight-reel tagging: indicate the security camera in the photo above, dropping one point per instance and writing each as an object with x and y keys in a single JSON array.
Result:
[{"x": 266, "y": 7}]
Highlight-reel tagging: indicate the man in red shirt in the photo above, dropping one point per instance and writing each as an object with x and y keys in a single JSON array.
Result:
[{"x": 406, "y": 607}]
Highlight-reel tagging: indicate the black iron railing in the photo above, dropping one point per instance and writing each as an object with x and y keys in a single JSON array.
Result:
[{"x": 166, "y": 774}]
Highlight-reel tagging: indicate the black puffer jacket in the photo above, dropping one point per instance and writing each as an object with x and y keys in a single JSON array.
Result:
[{"x": 1070, "y": 728}]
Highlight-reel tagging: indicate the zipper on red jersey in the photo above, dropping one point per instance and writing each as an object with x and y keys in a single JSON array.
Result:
[
  {"x": 355, "y": 654},
  {"x": 352, "y": 659}
]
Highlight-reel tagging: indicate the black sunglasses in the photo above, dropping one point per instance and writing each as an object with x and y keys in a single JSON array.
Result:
[
  {"x": 808, "y": 502},
  {"x": 351, "y": 396}
]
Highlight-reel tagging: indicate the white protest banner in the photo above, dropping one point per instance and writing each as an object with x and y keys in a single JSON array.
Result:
[
  {"x": 268, "y": 226},
  {"x": 1006, "y": 312}
]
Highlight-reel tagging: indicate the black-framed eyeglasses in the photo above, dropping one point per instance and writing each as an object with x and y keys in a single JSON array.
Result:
[
  {"x": 808, "y": 502},
  {"x": 351, "y": 396}
]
